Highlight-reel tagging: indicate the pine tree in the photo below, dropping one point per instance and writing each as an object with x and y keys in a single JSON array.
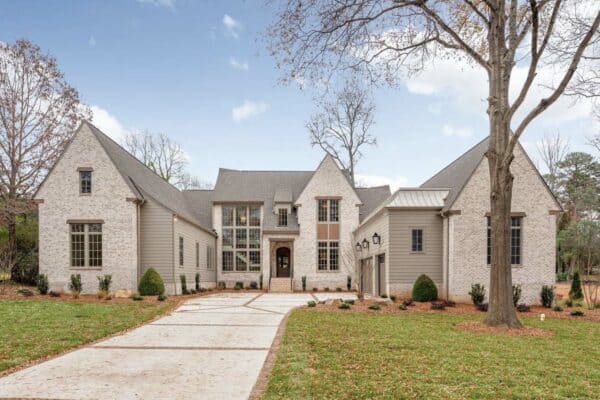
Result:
[{"x": 576, "y": 293}]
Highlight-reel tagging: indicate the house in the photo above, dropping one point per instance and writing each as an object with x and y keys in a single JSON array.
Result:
[{"x": 101, "y": 211}]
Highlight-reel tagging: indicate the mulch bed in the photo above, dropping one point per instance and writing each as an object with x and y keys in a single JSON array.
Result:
[{"x": 480, "y": 327}]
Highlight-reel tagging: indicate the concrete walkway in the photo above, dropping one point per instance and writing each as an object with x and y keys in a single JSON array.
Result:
[{"x": 211, "y": 347}]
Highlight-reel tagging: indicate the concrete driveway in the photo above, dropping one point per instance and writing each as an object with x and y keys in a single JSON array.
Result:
[{"x": 209, "y": 348}]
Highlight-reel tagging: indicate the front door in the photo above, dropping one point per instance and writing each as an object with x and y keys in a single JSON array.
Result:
[
  {"x": 381, "y": 274},
  {"x": 283, "y": 262},
  {"x": 366, "y": 276}
]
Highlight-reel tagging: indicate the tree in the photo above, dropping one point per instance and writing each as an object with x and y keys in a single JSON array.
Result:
[
  {"x": 313, "y": 39},
  {"x": 552, "y": 151},
  {"x": 39, "y": 111},
  {"x": 190, "y": 182},
  {"x": 342, "y": 126},
  {"x": 578, "y": 185}
]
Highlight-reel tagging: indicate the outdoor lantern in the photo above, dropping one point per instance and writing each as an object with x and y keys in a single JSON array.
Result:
[
  {"x": 376, "y": 238},
  {"x": 365, "y": 243},
  {"x": 358, "y": 246}
]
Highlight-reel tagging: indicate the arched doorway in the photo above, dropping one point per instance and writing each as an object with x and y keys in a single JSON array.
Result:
[{"x": 283, "y": 265}]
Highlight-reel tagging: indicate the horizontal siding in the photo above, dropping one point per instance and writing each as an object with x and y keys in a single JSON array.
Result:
[
  {"x": 404, "y": 265},
  {"x": 192, "y": 235},
  {"x": 156, "y": 230}
]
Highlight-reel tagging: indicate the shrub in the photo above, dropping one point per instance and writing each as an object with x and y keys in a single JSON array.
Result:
[
  {"x": 162, "y": 297},
  {"x": 151, "y": 283},
  {"x": 253, "y": 285},
  {"x": 349, "y": 301},
  {"x": 393, "y": 298},
  {"x": 402, "y": 306},
  {"x": 349, "y": 283},
  {"x": 75, "y": 285},
  {"x": 547, "y": 296},
  {"x": 26, "y": 268},
  {"x": 104, "y": 283},
  {"x": 482, "y": 307},
  {"x": 221, "y": 285},
  {"x": 577, "y": 313},
  {"x": 42, "y": 283},
  {"x": 184, "y": 289},
  {"x": 311, "y": 303},
  {"x": 54, "y": 293},
  {"x": 383, "y": 296},
  {"x": 239, "y": 285},
  {"x": 197, "y": 281},
  {"x": 449, "y": 303},
  {"x": 375, "y": 306},
  {"x": 438, "y": 305},
  {"x": 408, "y": 302},
  {"x": 557, "y": 308},
  {"x": 338, "y": 289},
  {"x": 193, "y": 291},
  {"x": 304, "y": 283},
  {"x": 315, "y": 289},
  {"x": 569, "y": 303},
  {"x": 260, "y": 281},
  {"x": 24, "y": 292},
  {"x": 137, "y": 297},
  {"x": 344, "y": 306},
  {"x": 326, "y": 289},
  {"x": 517, "y": 291},
  {"x": 424, "y": 289},
  {"x": 576, "y": 293},
  {"x": 477, "y": 293},
  {"x": 562, "y": 277},
  {"x": 523, "y": 308}
]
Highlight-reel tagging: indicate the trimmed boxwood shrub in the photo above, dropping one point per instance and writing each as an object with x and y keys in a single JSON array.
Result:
[
  {"x": 304, "y": 283},
  {"x": 344, "y": 306},
  {"x": 311, "y": 303},
  {"x": 424, "y": 289},
  {"x": 197, "y": 279},
  {"x": 547, "y": 296},
  {"x": 184, "y": 289},
  {"x": 151, "y": 283},
  {"x": 42, "y": 283}
]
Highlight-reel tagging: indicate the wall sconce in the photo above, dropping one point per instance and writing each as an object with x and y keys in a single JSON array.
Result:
[
  {"x": 365, "y": 243},
  {"x": 376, "y": 238},
  {"x": 358, "y": 246},
  {"x": 175, "y": 218}
]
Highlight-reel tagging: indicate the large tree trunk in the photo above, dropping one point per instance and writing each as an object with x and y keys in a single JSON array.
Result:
[{"x": 11, "y": 258}]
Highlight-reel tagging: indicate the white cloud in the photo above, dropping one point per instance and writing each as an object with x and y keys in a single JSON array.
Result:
[
  {"x": 452, "y": 131},
  {"x": 232, "y": 26},
  {"x": 248, "y": 109},
  {"x": 92, "y": 41},
  {"x": 108, "y": 123},
  {"x": 170, "y": 4},
  {"x": 238, "y": 64},
  {"x": 365, "y": 180}
]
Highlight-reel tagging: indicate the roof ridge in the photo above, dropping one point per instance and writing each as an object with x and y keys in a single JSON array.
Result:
[
  {"x": 372, "y": 187},
  {"x": 264, "y": 170}
]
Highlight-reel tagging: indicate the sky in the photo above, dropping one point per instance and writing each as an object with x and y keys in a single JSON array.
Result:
[{"x": 200, "y": 72}]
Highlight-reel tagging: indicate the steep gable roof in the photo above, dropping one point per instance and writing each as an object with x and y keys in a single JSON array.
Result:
[
  {"x": 146, "y": 183},
  {"x": 201, "y": 199},
  {"x": 371, "y": 198}
]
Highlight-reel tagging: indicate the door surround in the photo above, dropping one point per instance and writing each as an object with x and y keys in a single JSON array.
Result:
[{"x": 275, "y": 245}]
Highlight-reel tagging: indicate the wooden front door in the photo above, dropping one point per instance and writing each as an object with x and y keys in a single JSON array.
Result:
[
  {"x": 366, "y": 276},
  {"x": 283, "y": 262},
  {"x": 381, "y": 274}
]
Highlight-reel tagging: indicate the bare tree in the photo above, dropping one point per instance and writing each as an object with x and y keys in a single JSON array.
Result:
[
  {"x": 190, "y": 182},
  {"x": 341, "y": 127},
  {"x": 313, "y": 39},
  {"x": 552, "y": 150},
  {"x": 161, "y": 154},
  {"x": 39, "y": 111}
]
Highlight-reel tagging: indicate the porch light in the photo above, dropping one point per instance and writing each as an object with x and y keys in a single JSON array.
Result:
[
  {"x": 358, "y": 246},
  {"x": 376, "y": 238},
  {"x": 175, "y": 218},
  {"x": 365, "y": 243}
]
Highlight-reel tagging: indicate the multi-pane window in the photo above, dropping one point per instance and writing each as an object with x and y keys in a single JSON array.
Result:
[
  {"x": 197, "y": 255},
  {"x": 86, "y": 245},
  {"x": 241, "y": 238},
  {"x": 181, "y": 251},
  {"x": 328, "y": 256},
  {"x": 282, "y": 219},
  {"x": 328, "y": 210},
  {"x": 515, "y": 240},
  {"x": 85, "y": 182},
  {"x": 416, "y": 241}
]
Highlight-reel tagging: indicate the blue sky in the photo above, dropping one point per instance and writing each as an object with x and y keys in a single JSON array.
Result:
[{"x": 198, "y": 71}]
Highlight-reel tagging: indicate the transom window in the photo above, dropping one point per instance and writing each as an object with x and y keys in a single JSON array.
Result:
[
  {"x": 328, "y": 210},
  {"x": 328, "y": 256},
  {"x": 86, "y": 245},
  {"x": 515, "y": 240},
  {"x": 85, "y": 182},
  {"x": 241, "y": 238},
  {"x": 416, "y": 241},
  {"x": 282, "y": 219}
]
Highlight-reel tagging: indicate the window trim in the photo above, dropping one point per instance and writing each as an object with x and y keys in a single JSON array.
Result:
[
  {"x": 328, "y": 247},
  {"x": 412, "y": 230},
  {"x": 488, "y": 252},
  {"x": 328, "y": 209},
  {"x": 81, "y": 172},
  {"x": 245, "y": 229},
  {"x": 86, "y": 244},
  {"x": 282, "y": 213}
]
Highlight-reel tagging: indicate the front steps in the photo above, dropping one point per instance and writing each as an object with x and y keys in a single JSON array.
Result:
[{"x": 280, "y": 285}]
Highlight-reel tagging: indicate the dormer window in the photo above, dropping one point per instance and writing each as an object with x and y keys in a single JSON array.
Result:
[
  {"x": 85, "y": 181},
  {"x": 282, "y": 219}
]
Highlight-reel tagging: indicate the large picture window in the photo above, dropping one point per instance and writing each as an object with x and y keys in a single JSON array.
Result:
[
  {"x": 86, "y": 245},
  {"x": 241, "y": 238},
  {"x": 515, "y": 240},
  {"x": 328, "y": 256}
]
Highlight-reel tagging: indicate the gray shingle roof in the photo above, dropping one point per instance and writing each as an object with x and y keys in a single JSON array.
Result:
[
  {"x": 371, "y": 198},
  {"x": 145, "y": 183},
  {"x": 456, "y": 175},
  {"x": 202, "y": 204}
]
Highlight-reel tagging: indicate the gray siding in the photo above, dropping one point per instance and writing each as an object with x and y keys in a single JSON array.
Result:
[
  {"x": 405, "y": 266},
  {"x": 156, "y": 234},
  {"x": 191, "y": 235}
]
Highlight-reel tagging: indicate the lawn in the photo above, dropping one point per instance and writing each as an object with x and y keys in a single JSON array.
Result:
[
  {"x": 338, "y": 355},
  {"x": 32, "y": 329}
]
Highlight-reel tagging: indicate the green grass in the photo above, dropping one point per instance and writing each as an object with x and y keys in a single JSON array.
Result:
[
  {"x": 326, "y": 355},
  {"x": 32, "y": 329}
]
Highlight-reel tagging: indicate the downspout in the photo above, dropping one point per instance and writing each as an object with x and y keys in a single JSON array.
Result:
[
  {"x": 446, "y": 219},
  {"x": 173, "y": 219}
]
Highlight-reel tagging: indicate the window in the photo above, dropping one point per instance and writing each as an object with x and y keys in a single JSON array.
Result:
[
  {"x": 85, "y": 182},
  {"x": 515, "y": 240},
  {"x": 197, "y": 255},
  {"x": 334, "y": 213},
  {"x": 328, "y": 256},
  {"x": 86, "y": 245},
  {"x": 241, "y": 238},
  {"x": 209, "y": 257},
  {"x": 180, "y": 251},
  {"x": 329, "y": 210},
  {"x": 282, "y": 219},
  {"x": 417, "y": 241}
]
